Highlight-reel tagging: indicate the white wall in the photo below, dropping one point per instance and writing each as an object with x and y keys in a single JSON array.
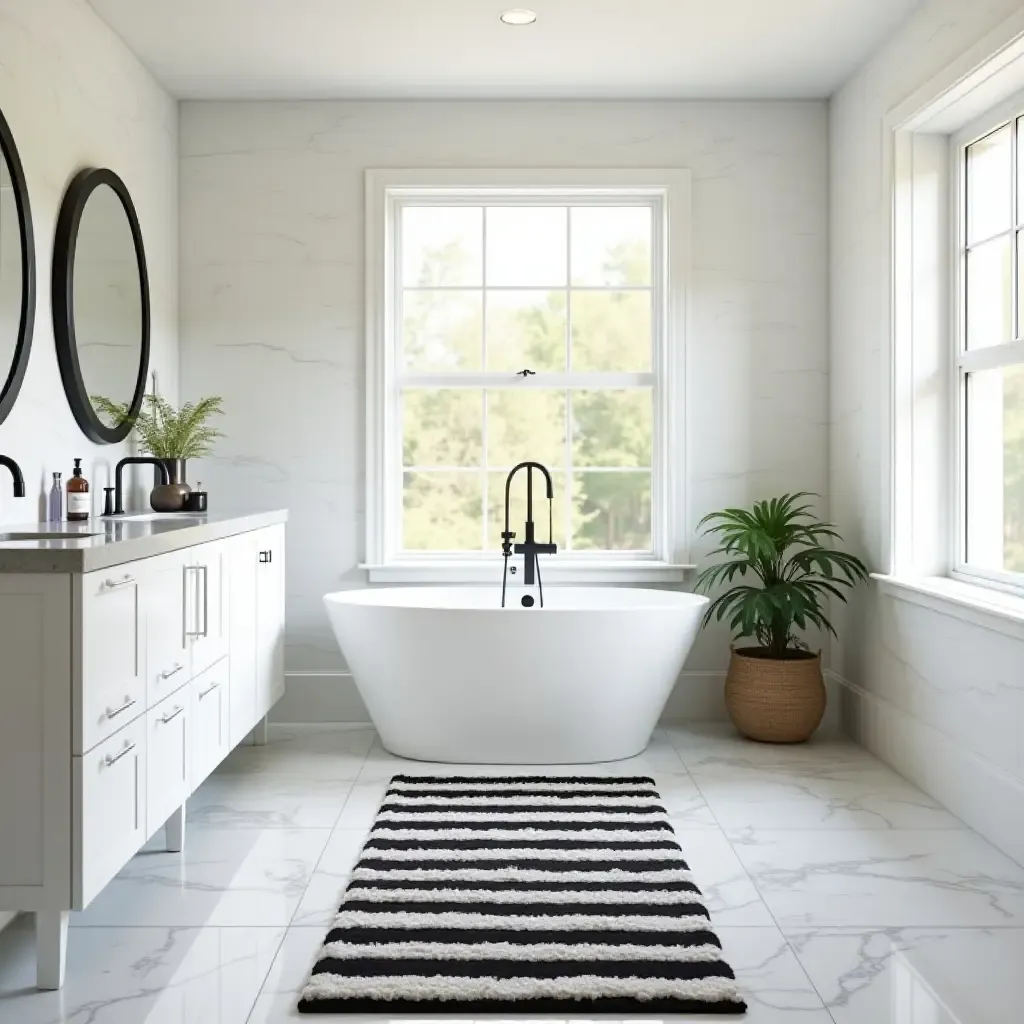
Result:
[
  {"x": 74, "y": 96},
  {"x": 272, "y": 308},
  {"x": 939, "y": 697}
]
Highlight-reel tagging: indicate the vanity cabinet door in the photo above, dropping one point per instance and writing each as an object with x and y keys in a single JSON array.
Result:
[
  {"x": 270, "y": 601},
  {"x": 109, "y": 810},
  {"x": 206, "y": 605},
  {"x": 168, "y": 652},
  {"x": 243, "y": 563},
  {"x": 209, "y": 696},
  {"x": 110, "y": 679},
  {"x": 168, "y": 758}
]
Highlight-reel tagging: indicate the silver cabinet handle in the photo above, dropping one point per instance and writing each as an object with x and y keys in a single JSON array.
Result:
[
  {"x": 171, "y": 672},
  {"x": 114, "y": 584},
  {"x": 207, "y": 692},
  {"x": 204, "y": 631},
  {"x": 172, "y": 716},
  {"x": 113, "y": 713},
  {"x": 128, "y": 748}
]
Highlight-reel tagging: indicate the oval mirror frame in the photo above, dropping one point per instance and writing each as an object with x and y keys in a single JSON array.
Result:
[
  {"x": 23, "y": 346},
  {"x": 63, "y": 288}
]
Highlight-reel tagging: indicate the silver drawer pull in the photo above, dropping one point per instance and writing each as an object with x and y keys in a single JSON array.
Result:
[
  {"x": 171, "y": 672},
  {"x": 113, "y": 713},
  {"x": 207, "y": 692},
  {"x": 172, "y": 716},
  {"x": 108, "y": 760},
  {"x": 114, "y": 584}
]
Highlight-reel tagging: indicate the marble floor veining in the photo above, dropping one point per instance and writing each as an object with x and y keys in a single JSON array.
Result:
[{"x": 842, "y": 894}]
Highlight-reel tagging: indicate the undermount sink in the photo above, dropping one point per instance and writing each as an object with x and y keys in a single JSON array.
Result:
[{"x": 49, "y": 535}]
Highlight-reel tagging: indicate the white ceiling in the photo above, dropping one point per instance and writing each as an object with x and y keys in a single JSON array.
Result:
[{"x": 458, "y": 48}]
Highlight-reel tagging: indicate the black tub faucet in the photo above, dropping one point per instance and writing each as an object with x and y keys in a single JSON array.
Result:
[
  {"x": 165, "y": 478},
  {"x": 530, "y": 548},
  {"x": 16, "y": 475}
]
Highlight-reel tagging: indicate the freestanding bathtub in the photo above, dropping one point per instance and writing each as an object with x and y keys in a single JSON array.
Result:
[{"x": 449, "y": 675}]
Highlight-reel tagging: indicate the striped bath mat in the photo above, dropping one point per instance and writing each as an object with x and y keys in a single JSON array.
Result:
[{"x": 532, "y": 894}]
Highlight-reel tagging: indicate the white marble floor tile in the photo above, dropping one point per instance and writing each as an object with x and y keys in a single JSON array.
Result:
[
  {"x": 364, "y": 800},
  {"x": 321, "y": 751},
  {"x": 729, "y": 894},
  {"x": 268, "y": 800},
  {"x": 287, "y": 977},
  {"x": 702, "y": 744},
  {"x": 917, "y": 975},
  {"x": 836, "y": 796},
  {"x": 322, "y": 897},
  {"x": 882, "y": 878},
  {"x": 774, "y": 984},
  {"x": 224, "y": 877},
  {"x": 140, "y": 975}
]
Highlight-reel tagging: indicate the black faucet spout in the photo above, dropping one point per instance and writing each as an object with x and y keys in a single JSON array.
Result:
[
  {"x": 16, "y": 475},
  {"x": 165, "y": 477}
]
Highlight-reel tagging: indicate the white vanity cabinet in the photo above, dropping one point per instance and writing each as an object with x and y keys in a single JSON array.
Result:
[{"x": 121, "y": 689}]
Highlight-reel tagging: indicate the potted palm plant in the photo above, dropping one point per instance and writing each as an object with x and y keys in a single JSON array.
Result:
[{"x": 774, "y": 689}]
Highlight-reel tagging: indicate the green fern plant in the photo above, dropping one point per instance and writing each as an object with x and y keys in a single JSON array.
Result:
[
  {"x": 782, "y": 545},
  {"x": 166, "y": 432}
]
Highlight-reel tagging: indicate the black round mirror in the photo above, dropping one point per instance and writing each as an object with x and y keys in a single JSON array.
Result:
[
  {"x": 101, "y": 305},
  {"x": 17, "y": 273}
]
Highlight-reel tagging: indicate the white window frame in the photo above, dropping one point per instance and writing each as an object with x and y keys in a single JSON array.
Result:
[
  {"x": 965, "y": 361},
  {"x": 919, "y": 458},
  {"x": 668, "y": 192}
]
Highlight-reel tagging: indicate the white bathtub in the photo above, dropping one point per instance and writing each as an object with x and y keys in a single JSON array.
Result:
[{"x": 448, "y": 675}]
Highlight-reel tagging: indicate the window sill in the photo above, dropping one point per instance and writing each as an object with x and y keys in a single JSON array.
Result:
[
  {"x": 554, "y": 572},
  {"x": 982, "y": 606}
]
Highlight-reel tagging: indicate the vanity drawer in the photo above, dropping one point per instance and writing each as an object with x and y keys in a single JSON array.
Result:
[
  {"x": 109, "y": 809},
  {"x": 210, "y": 742},
  {"x": 168, "y": 755},
  {"x": 110, "y": 638}
]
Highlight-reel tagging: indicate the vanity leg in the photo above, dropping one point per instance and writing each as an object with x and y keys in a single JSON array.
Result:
[
  {"x": 259, "y": 734},
  {"x": 51, "y": 948},
  {"x": 174, "y": 831}
]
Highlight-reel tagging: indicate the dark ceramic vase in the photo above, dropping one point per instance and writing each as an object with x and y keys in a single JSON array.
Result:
[{"x": 170, "y": 497}]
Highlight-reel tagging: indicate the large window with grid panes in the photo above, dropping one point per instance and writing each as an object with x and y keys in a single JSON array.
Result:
[
  {"x": 527, "y": 323},
  {"x": 989, "y": 353}
]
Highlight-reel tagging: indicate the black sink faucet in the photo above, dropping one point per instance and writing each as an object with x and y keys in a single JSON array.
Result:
[
  {"x": 16, "y": 475},
  {"x": 529, "y": 549},
  {"x": 165, "y": 477}
]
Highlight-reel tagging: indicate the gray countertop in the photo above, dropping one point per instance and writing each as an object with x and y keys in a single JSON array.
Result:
[{"x": 113, "y": 541}]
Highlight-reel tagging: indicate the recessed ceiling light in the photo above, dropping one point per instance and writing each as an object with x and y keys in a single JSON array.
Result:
[{"x": 518, "y": 16}]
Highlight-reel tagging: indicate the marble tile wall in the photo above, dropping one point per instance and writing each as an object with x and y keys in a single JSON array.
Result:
[
  {"x": 74, "y": 96},
  {"x": 272, "y": 308},
  {"x": 927, "y": 690}
]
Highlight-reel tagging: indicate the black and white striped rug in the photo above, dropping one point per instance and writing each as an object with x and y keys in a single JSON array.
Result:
[{"x": 532, "y": 894}]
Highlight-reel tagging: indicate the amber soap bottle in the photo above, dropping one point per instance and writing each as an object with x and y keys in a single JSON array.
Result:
[{"x": 79, "y": 502}]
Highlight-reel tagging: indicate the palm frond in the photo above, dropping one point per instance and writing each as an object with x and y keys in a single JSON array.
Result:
[{"x": 163, "y": 431}]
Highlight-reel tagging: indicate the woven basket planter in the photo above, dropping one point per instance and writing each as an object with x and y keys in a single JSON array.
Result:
[{"x": 775, "y": 700}]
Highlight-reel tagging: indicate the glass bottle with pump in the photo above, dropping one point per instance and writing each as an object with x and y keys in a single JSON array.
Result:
[{"x": 79, "y": 502}]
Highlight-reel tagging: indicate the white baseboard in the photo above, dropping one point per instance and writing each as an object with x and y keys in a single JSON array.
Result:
[
  {"x": 979, "y": 792},
  {"x": 332, "y": 697}
]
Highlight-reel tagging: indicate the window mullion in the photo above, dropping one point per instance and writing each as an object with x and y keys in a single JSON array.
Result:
[{"x": 483, "y": 391}]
